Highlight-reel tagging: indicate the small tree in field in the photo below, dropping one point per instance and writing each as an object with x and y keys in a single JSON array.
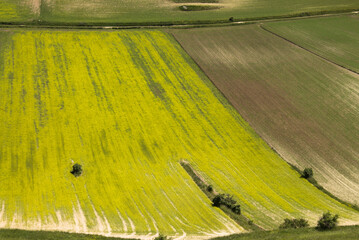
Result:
[
  {"x": 307, "y": 173},
  {"x": 327, "y": 221},
  {"x": 76, "y": 170}
]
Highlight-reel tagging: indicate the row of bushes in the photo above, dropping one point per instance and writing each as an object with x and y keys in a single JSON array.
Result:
[{"x": 326, "y": 222}]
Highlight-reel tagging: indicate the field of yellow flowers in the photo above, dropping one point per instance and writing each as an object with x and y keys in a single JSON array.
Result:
[{"x": 128, "y": 106}]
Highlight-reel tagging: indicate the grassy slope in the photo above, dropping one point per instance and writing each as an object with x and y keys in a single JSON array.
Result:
[
  {"x": 128, "y": 106},
  {"x": 342, "y": 233},
  {"x": 303, "y": 106},
  {"x": 8, "y": 234},
  {"x": 159, "y": 11},
  {"x": 335, "y": 38}
]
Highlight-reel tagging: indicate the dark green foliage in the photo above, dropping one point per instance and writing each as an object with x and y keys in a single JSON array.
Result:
[
  {"x": 210, "y": 188},
  {"x": 228, "y": 201},
  {"x": 231, "y": 19},
  {"x": 294, "y": 223},
  {"x": 195, "y": 1},
  {"x": 162, "y": 237},
  {"x": 307, "y": 173},
  {"x": 327, "y": 221},
  {"x": 236, "y": 209},
  {"x": 197, "y": 7},
  {"x": 76, "y": 170}
]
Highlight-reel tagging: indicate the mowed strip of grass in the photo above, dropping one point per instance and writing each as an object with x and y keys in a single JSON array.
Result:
[
  {"x": 303, "y": 106},
  {"x": 145, "y": 11},
  {"x": 335, "y": 38},
  {"x": 342, "y": 233},
  {"x": 128, "y": 106}
]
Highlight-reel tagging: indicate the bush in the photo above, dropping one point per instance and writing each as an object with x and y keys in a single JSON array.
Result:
[
  {"x": 162, "y": 237},
  {"x": 327, "y": 221},
  {"x": 76, "y": 170},
  {"x": 307, "y": 173},
  {"x": 231, "y": 19},
  {"x": 210, "y": 188},
  {"x": 228, "y": 201},
  {"x": 294, "y": 223},
  {"x": 236, "y": 209}
]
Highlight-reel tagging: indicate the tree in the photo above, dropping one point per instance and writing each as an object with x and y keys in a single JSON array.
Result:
[
  {"x": 327, "y": 221},
  {"x": 76, "y": 170},
  {"x": 307, "y": 173}
]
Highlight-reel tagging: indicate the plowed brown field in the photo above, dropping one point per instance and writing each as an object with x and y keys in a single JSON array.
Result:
[{"x": 303, "y": 106}]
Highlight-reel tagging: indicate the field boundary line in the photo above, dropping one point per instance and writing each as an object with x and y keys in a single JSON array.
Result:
[{"x": 306, "y": 49}]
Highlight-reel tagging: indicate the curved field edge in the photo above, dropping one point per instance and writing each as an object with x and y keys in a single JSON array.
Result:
[
  {"x": 342, "y": 233},
  {"x": 333, "y": 38},
  {"x": 128, "y": 106},
  {"x": 292, "y": 98}
]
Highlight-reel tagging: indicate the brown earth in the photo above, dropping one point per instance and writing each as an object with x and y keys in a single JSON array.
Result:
[{"x": 306, "y": 108}]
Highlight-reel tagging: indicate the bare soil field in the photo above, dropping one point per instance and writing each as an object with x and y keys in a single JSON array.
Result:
[{"x": 303, "y": 106}]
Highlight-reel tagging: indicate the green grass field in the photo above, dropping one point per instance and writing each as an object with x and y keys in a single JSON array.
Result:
[
  {"x": 128, "y": 106},
  {"x": 303, "y": 106},
  {"x": 342, "y": 233},
  {"x": 146, "y": 11},
  {"x": 9, "y": 234},
  {"x": 335, "y": 38}
]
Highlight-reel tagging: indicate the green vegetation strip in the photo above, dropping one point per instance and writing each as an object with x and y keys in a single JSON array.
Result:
[
  {"x": 198, "y": 7},
  {"x": 211, "y": 193},
  {"x": 9, "y": 234},
  {"x": 342, "y": 233}
]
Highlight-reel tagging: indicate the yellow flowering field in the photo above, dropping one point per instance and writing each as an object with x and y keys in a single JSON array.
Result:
[{"x": 128, "y": 106}]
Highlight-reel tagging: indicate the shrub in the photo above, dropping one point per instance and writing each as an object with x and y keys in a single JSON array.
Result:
[
  {"x": 294, "y": 223},
  {"x": 236, "y": 209},
  {"x": 231, "y": 19},
  {"x": 228, "y": 201},
  {"x": 76, "y": 170},
  {"x": 307, "y": 173},
  {"x": 162, "y": 237},
  {"x": 210, "y": 188},
  {"x": 327, "y": 221}
]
